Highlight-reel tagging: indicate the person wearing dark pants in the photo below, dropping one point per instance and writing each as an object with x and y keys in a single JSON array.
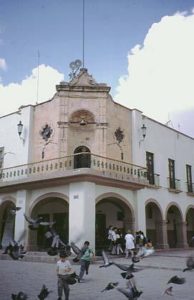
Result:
[
  {"x": 87, "y": 255},
  {"x": 64, "y": 269}
]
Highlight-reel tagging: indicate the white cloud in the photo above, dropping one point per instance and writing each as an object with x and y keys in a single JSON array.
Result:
[
  {"x": 3, "y": 64},
  {"x": 160, "y": 79},
  {"x": 16, "y": 94}
]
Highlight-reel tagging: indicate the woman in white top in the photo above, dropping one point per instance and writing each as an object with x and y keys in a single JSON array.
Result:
[{"x": 129, "y": 244}]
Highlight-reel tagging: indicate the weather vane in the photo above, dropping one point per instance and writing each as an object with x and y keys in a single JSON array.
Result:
[{"x": 75, "y": 66}]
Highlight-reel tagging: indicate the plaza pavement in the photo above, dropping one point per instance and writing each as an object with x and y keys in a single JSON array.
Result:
[{"x": 29, "y": 277}]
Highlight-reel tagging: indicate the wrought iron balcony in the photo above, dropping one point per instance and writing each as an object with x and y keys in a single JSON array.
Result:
[
  {"x": 190, "y": 188},
  {"x": 77, "y": 165},
  {"x": 174, "y": 185}
]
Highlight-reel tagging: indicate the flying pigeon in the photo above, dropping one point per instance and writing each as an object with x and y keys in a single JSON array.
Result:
[
  {"x": 110, "y": 286},
  {"x": 168, "y": 291},
  {"x": 131, "y": 267},
  {"x": 44, "y": 292},
  {"x": 190, "y": 264},
  {"x": 19, "y": 296},
  {"x": 76, "y": 250},
  {"x": 14, "y": 210},
  {"x": 144, "y": 252},
  {"x": 177, "y": 280},
  {"x": 56, "y": 243},
  {"x": 107, "y": 263},
  {"x": 35, "y": 223}
]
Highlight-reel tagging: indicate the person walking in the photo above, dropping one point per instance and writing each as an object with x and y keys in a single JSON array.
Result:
[
  {"x": 87, "y": 254},
  {"x": 119, "y": 242},
  {"x": 129, "y": 244},
  {"x": 64, "y": 269}
]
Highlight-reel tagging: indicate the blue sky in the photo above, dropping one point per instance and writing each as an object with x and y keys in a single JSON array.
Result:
[{"x": 113, "y": 29}]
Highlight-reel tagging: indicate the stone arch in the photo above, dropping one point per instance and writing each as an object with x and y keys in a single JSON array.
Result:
[
  {"x": 112, "y": 209},
  {"x": 82, "y": 157},
  {"x": 7, "y": 220},
  {"x": 52, "y": 207},
  {"x": 82, "y": 114},
  {"x": 189, "y": 217},
  {"x": 154, "y": 222},
  {"x": 175, "y": 225}
]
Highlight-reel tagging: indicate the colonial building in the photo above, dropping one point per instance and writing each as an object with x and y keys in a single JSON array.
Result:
[{"x": 87, "y": 162}]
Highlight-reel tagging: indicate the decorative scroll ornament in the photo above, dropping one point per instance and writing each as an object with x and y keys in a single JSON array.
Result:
[
  {"x": 119, "y": 135},
  {"x": 46, "y": 132},
  {"x": 75, "y": 66}
]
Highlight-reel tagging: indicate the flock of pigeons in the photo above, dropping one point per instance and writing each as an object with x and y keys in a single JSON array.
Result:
[
  {"x": 130, "y": 291},
  {"x": 16, "y": 251}
]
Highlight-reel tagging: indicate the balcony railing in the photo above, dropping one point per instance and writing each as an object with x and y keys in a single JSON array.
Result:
[
  {"x": 174, "y": 184},
  {"x": 153, "y": 179},
  {"x": 190, "y": 187},
  {"x": 62, "y": 166}
]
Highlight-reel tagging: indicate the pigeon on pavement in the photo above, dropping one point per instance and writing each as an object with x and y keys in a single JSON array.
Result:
[
  {"x": 44, "y": 292},
  {"x": 190, "y": 264},
  {"x": 177, "y": 280},
  {"x": 19, "y": 296},
  {"x": 168, "y": 291}
]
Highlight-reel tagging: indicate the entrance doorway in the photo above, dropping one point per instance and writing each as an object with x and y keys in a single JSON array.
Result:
[{"x": 82, "y": 158}]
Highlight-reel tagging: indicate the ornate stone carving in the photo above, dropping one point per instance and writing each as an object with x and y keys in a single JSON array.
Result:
[{"x": 46, "y": 132}]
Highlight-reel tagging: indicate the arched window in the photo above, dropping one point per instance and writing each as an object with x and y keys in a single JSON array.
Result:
[{"x": 82, "y": 157}]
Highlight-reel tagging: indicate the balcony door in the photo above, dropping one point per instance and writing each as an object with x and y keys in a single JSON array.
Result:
[
  {"x": 189, "y": 179},
  {"x": 171, "y": 167},
  {"x": 82, "y": 158},
  {"x": 150, "y": 167}
]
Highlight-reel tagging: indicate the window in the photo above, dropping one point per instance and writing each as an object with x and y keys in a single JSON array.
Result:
[
  {"x": 1, "y": 157},
  {"x": 150, "y": 167},
  {"x": 171, "y": 168},
  {"x": 189, "y": 178}
]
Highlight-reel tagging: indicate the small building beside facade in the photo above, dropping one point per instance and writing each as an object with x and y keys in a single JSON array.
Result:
[{"x": 87, "y": 162}]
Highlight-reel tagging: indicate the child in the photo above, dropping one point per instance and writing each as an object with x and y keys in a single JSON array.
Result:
[
  {"x": 86, "y": 255},
  {"x": 64, "y": 269}
]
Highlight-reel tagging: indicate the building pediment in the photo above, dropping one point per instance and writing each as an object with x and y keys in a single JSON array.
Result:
[{"x": 83, "y": 81}]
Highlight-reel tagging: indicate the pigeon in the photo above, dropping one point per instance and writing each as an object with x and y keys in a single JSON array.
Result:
[
  {"x": 190, "y": 264},
  {"x": 14, "y": 210},
  {"x": 56, "y": 243},
  {"x": 168, "y": 291},
  {"x": 144, "y": 252},
  {"x": 131, "y": 267},
  {"x": 177, "y": 280},
  {"x": 44, "y": 292},
  {"x": 110, "y": 286},
  {"x": 128, "y": 270},
  {"x": 19, "y": 296},
  {"x": 130, "y": 293},
  {"x": 107, "y": 263},
  {"x": 71, "y": 279},
  {"x": 14, "y": 249},
  {"x": 77, "y": 251},
  {"x": 127, "y": 275},
  {"x": 35, "y": 223}
]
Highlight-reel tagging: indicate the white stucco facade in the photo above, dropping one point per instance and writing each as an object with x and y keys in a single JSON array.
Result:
[{"x": 93, "y": 168}]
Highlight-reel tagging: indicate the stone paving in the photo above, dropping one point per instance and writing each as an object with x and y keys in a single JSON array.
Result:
[{"x": 29, "y": 277}]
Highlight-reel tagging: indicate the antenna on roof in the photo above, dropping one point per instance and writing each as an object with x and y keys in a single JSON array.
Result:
[
  {"x": 83, "y": 34},
  {"x": 37, "y": 88}
]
